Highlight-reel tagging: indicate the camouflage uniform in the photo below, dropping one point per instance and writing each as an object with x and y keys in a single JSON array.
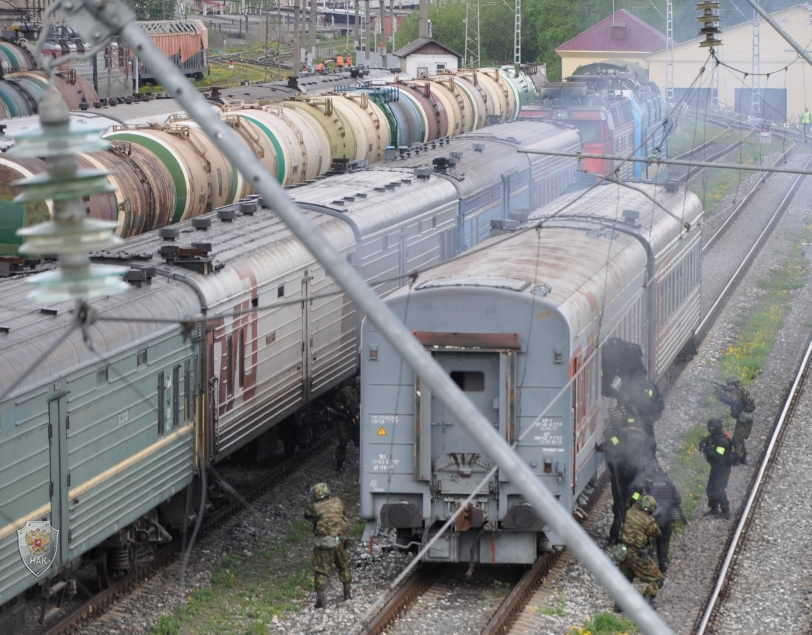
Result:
[
  {"x": 329, "y": 523},
  {"x": 346, "y": 403},
  {"x": 637, "y": 534},
  {"x": 741, "y": 409},
  {"x": 655, "y": 482}
]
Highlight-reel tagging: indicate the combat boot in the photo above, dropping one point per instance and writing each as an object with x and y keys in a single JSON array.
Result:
[
  {"x": 713, "y": 511},
  {"x": 725, "y": 515},
  {"x": 347, "y": 591},
  {"x": 321, "y": 600}
]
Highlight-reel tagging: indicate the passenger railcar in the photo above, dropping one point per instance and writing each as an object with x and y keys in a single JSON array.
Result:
[
  {"x": 516, "y": 321},
  {"x": 120, "y": 429}
]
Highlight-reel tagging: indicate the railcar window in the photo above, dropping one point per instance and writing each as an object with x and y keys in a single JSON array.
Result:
[
  {"x": 160, "y": 404},
  {"x": 280, "y": 291},
  {"x": 141, "y": 358},
  {"x": 469, "y": 380},
  {"x": 101, "y": 376},
  {"x": 591, "y": 132},
  {"x": 187, "y": 390}
]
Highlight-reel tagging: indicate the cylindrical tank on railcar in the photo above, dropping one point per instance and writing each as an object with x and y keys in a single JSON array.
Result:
[
  {"x": 467, "y": 122},
  {"x": 478, "y": 111},
  {"x": 188, "y": 169},
  {"x": 17, "y": 57},
  {"x": 285, "y": 137},
  {"x": 342, "y": 144},
  {"x": 508, "y": 92},
  {"x": 145, "y": 194},
  {"x": 421, "y": 105},
  {"x": 524, "y": 85},
  {"x": 13, "y": 215},
  {"x": 223, "y": 186},
  {"x": 410, "y": 119},
  {"x": 434, "y": 108},
  {"x": 74, "y": 88},
  {"x": 451, "y": 106},
  {"x": 367, "y": 121},
  {"x": 15, "y": 102},
  {"x": 491, "y": 92},
  {"x": 315, "y": 144},
  {"x": 253, "y": 137}
]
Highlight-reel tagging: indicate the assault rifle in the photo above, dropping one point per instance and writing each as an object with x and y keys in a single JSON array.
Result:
[{"x": 717, "y": 386}]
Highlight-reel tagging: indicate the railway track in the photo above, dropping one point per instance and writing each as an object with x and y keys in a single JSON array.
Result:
[
  {"x": 428, "y": 585},
  {"x": 96, "y": 605},
  {"x": 739, "y": 541}
]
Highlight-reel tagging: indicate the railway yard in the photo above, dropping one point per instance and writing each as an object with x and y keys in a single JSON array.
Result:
[
  {"x": 249, "y": 571},
  {"x": 173, "y": 417}
]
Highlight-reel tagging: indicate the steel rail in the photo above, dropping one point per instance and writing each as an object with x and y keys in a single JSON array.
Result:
[
  {"x": 95, "y": 606},
  {"x": 707, "y": 320},
  {"x": 743, "y": 203},
  {"x": 756, "y": 492},
  {"x": 97, "y": 20}
]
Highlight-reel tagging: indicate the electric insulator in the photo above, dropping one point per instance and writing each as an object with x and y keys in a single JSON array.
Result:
[
  {"x": 69, "y": 234},
  {"x": 710, "y": 21}
]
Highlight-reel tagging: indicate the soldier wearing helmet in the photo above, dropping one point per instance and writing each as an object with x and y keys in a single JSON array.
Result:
[
  {"x": 655, "y": 482},
  {"x": 329, "y": 523},
  {"x": 717, "y": 448},
  {"x": 346, "y": 407},
  {"x": 742, "y": 407},
  {"x": 637, "y": 534}
]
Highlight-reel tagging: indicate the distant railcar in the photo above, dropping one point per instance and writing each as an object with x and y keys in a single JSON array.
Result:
[{"x": 515, "y": 322}]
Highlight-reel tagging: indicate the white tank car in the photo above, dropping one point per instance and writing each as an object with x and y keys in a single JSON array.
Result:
[{"x": 513, "y": 321}]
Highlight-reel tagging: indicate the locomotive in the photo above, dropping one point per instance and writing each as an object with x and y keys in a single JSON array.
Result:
[
  {"x": 108, "y": 436},
  {"x": 517, "y": 322},
  {"x": 617, "y": 112}
]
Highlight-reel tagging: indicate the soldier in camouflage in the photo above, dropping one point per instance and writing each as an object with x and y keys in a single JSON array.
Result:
[
  {"x": 655, "y": 482},
  {"x": 329, "y": 523},
  {"x": 637, "y": 534},
  {"x": 346, "y": 404},
  {"x": 741, "y": 409}
]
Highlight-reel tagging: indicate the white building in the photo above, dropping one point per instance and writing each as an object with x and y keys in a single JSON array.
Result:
[{"x": 425, "y": 56}]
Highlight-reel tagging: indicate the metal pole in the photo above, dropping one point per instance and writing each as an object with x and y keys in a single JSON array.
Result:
[
  {"x": 356, "y": 32},
  {"x": 366, "y": 30},
  {"x": 297, "y": 54},
  {"x": 661, "y": 161},
  {"x": 382, "y": 14},
  {"x": 279, "y": 38},
  {"x": 313, "y": 19},
  {"x": 800, "y": 49},
  {"x": 115, "y": 14}
]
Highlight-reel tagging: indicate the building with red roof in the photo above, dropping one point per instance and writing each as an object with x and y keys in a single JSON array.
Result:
[{"x": 620, "y": 36}]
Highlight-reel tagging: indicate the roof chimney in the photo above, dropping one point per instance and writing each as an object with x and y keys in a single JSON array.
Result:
[{"x": 618, "y": 30}]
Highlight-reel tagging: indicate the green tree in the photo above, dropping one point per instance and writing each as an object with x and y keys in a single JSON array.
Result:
[{"x": 152, "y": 9}]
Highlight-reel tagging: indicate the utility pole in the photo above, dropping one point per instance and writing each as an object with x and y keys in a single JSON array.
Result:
[
  {"x": 423, "y": 21},
  {"x": 356, "y": 32},
  {"x": 279, "y": 38},
  {"x": 296, "y": 48},
  {"x": 366, "y": 31},
  {"x": 382, "y": 13},
  {"x": 392, "y": 22},
  {"x": 669, "y": 51},
  {"x": 313, "y": 20},
  {"x": 267, "y": 52},
  {"x": 755, "y": 104},
  {"x": 517, "y": 34}
]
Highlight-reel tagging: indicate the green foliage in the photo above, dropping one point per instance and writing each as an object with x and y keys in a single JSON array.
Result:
[
  {"x": 152, "y": 9},
  {"x": 605, "y": 624}
]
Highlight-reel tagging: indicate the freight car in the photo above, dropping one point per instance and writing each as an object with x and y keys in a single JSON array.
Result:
[
  {"x": 169, "y": 172},
  {"x": 517, "y": 322},
  {"x": 105, "y": 442},
  {"x": 185, "y": 42},
  {"x": 616, "y": 114}
]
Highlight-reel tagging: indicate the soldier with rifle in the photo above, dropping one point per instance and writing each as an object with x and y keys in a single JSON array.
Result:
[{"x": 741, "y": 409}]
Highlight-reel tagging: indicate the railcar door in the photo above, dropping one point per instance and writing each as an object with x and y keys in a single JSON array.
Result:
[
  {"x": 458, "y": 462},
  {"x": 57, "y": 441}
]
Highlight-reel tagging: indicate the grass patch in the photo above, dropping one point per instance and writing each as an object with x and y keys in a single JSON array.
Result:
[
  {"x": 556, "y": 609},
  {"x": 604, "y": 624},
  {"x": 221, "y": 75},
  {"x": 239, "y": 600}
]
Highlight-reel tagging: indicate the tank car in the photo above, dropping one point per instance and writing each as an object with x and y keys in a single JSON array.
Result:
[{"x": 516, "y": 322}]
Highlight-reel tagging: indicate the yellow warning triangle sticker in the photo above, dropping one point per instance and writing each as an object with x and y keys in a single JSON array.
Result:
[{"x": 381, "y": 432}]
